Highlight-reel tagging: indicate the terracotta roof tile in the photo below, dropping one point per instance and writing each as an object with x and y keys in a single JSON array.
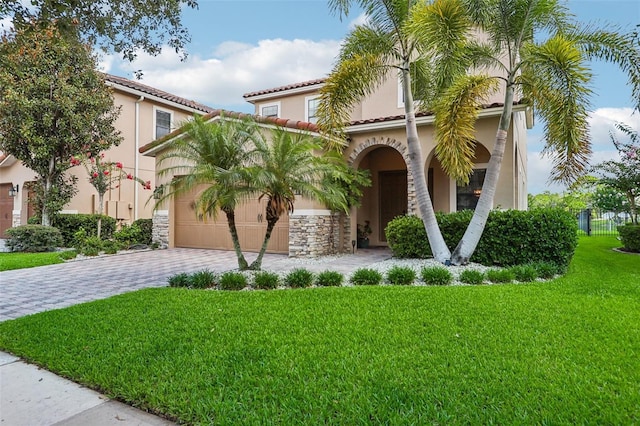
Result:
[
  {"x": 157, "y": 92},
  {"x": 283, "y": 88},
  {"x": 282, "y": 122}
]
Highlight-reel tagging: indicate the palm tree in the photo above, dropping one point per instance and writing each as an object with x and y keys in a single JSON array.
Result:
[
  {"x": 217, "y": 154},
  {"x": 289, "y": 165},
  {"x": 551, "y": 75},
  {"x": 371, "y": 54}
]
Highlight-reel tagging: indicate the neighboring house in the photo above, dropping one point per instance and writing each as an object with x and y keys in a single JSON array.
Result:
[
  {"x": 377, "y": 142},
  {"x": 146, "y": 114}
]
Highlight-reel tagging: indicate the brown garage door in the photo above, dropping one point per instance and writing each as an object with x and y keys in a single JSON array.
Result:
[
  {"x": 6, "y": 209},
  {"x": 193, "y": 233}
]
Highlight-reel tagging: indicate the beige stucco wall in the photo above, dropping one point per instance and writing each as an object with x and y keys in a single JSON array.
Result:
[{"x": 132, "y": 196}]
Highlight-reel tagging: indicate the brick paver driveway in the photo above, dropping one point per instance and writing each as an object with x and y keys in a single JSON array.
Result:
[{"x": 31, "y": 290}]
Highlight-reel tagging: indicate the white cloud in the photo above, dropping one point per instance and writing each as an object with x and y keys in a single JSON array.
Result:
[
  {"x": 601, "y": 122},
  {"x": 105, "y": 62},
  {"x": 361, "y": 19},
  {"x": 6, "y": 25},
  {"x": 236, "y": 68}
]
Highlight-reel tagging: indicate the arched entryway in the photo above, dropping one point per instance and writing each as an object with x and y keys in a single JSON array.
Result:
[{"x": 391, "y": 190}]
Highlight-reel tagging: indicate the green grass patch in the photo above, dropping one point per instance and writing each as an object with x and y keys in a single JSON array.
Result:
[
  {"x": 559, "y": 352},
  {"x": 9, "y": 261}
]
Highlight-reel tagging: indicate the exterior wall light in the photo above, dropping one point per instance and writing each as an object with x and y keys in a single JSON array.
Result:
[{"x": 13, "y": 191}]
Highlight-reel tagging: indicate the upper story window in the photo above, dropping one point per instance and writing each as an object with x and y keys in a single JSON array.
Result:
[
  {"x": 311, "y": 109},
  {"x": 162, "y": 123},
  {"x": 270, "y": 110}
]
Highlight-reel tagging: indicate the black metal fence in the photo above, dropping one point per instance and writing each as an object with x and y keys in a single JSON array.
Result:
[{"x": 595, "y": 222}]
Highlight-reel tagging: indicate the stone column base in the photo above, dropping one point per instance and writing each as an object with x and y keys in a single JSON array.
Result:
[{"x": 160, "y": 232}]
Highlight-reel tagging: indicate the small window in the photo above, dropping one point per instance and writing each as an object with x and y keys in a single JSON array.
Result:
[
  {"x": 312, "y": 110},
  {"x": 163, "y": 123},
  {"x": 269, "y": 111},
  {"x": 467, "y": 196}
]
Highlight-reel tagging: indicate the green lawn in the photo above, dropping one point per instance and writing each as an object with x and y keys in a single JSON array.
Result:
[
  {"x": 10, "y": 261},
  {"x": 561, "y": 352}
]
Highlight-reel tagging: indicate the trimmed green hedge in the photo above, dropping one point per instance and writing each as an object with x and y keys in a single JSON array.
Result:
[
  {"x": 69, "y": 224},
  {"x": 511, "y": 237},
  {"x": 33, "y": 238},
  {"x": 630, "y": 237}
]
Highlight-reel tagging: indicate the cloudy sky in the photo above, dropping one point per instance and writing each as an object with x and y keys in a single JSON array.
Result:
[{"x": 242, "y": 46}]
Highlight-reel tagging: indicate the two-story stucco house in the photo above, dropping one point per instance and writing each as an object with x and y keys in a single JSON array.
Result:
[
  {"x": 146, "y": 114},
  {"x": 377, "y": 142}
]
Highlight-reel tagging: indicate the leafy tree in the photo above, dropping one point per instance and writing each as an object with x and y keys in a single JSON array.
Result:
[
  {"x": 610, "y": 200},
  {"x": 53, "y": 105},
  {"x": 370, "y": 54},
  {"x": 623, "y": 175},
  {"x": 551, "y": 73},
  {"x": 120, "y": 25},
  {"x": 288, "y": 165},
  {"x": 215, "y": 154}
]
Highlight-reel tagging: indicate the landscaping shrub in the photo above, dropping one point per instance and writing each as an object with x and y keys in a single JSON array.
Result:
[
  {"x": 407, "y": 237},
  {"x": 146, "y": 230},
  {"x": 511, "y": 237},
  {"x": 436, "y": 275},
  {"x": 630, "y": 237},
  {"x": 90, "y": 246},
  {"x": 366, "y": 276},
  {"x": 524, "y": 273},
  {"x": 180, "y": 280},
  {"x": 233, "y": 281},
  {"x": 329, "y": 279},
  {"x": 68, "y": 254},
  {"x": 129, "y": 235},
  {"x": 546, "y": 270},
  {"x": 500, "y": 275},
  {"x": 299, "y": 278},
  {"x": 33, "y": 238},
  {"x": 266, "y": 280},
  {"x": 470, "y": 276},
  {"x": 401, "y": 275},
  {"x": 70, "y": 223},
  {"x": 202, "y": 279}
]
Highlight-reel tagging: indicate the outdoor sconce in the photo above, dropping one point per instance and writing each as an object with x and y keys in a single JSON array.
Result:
[
  {"x": 353, "y": 246},
  {"x": 13, "y": 191},
  {"x": 477, "y": 192},
  {"x": 158, "y": 192}
]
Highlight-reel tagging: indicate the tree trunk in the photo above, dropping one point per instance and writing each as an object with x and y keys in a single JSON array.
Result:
[
  {"x": 438, "y": 246},
  {"x": 100, "y": 210},
  {"x": 272, "y": 219},
  {"x": 231, "y": 221},
  {"x": 471, "y": 237},
  {"x": 46, "y": 214}
]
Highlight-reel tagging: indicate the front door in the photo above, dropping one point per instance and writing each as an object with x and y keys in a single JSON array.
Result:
[{"x": 393, "y": 198}]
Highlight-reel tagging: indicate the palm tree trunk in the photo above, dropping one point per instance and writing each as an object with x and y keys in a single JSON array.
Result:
[
  {"x": 471, "y": 237},
  {"x": 272, "y": 219},
  {"x": 231, "y": 222},
  {"x": 438, "y": 246}
]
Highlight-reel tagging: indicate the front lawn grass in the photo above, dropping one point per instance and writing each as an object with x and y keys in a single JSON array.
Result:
[
  {"x": 10, "y": 261},
  {"x": 560, "y": 352}
]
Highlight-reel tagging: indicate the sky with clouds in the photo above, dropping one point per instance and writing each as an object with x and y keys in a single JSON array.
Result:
[{"x": 242, "y": 46}]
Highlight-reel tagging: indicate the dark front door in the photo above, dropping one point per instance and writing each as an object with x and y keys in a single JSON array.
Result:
[{"x": 393, "y": 198}]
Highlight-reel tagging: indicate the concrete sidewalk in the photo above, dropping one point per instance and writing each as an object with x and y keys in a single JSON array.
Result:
[{"x": 33, "y": 396}]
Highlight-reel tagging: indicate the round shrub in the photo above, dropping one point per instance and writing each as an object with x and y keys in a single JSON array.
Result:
[
  {"x": 401, "y": 275},
  {"x": 436, "y": 275},
  {"x": 470, "y": 276},
  {"x": 329, "y": 279},
  {"x": 202, "y": 279},
  {"x": 500, "y": 275},
  {"x": 266, "y": 280},
  {"x": 630, "y": 237},
  {"x": 524, "y": 273},
  {"x": 299, "y": 278},
  {"x": 33, "y": 238},
  {"x": 407, "y": 237},
  {"x": 233, "y": 281},
  {"x": 366, "y": 276},
  {"x": 146, "y": 230},
  {"x": 180, "y": 280}
]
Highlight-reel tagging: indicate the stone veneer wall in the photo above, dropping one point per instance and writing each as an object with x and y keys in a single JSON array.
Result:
[
  {"x": 314, "y": 234},
  {"x": 160, "y": 231}
]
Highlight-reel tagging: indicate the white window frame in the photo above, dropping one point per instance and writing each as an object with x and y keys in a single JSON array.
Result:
[
  {"x": 306, "y": 107},
  {"x": 155, "y": 114},
  {"x": 261, "y": 107}
]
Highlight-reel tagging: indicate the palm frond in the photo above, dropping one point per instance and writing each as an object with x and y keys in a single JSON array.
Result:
[
  {"x": 555, "y": 77},
  {"x": 456, "y": 113}
]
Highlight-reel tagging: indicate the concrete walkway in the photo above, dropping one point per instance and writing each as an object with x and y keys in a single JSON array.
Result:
[{"x": 33, "y": 396}]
